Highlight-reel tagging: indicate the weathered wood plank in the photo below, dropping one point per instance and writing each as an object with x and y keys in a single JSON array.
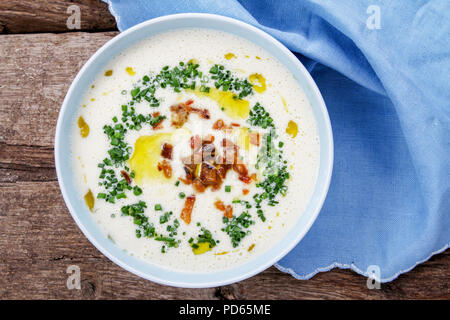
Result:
[
  {"x": 26, "y": 16},
  {"x": 26, "y": 163},
  {"x": 39, "y": 239}
]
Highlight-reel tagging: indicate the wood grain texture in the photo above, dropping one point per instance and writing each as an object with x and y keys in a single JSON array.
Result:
[
  {"x": 26, "y": 16},
  {"x": 39, "y": 239}
]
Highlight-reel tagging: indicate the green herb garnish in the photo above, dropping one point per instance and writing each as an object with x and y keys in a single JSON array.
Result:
[
  {"x": 235, "y": 227},
  {"x": 165, "y": 217},
  {"x": 145, "y": 227},
  {"x": 224, "y": 80},
  {"x": 259, "y": 117}
]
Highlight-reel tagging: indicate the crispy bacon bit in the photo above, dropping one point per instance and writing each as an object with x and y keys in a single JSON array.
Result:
[
  {"x": 185, "y": 181},
  {"x": 218, "y": 125},
  {"x": 245, "y": 179},
  {"x": 222, "y": 170},
  {"x": 196, "y": 142},
  {"x": 186, "y": 212},
  {"x": 198, "y": 186},
  {"x": 206, "y": 168},
  {"x": 219, "y": 205},
  {"x": 190, "y": 173},
  {"x": 228, "y": 212},
  {"x": 166, "y": 168},
  {"x": 254, "y": 138},
  {"x": 202, "y": 113},
  {"x": 240, "y": 169},
  {"x": 179, "y": 115},
  {"x": 126, "y": 176},
  {"x": 242, "y": 172},
  {"x": 245, "y": 192},
  {"x": 166, "y": 151},
  {"x": 208, "y": 175},
  {"x": 157, "y": 125}
]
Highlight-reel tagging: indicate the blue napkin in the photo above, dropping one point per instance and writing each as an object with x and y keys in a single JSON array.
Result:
[{"x": 383, "y": 68}]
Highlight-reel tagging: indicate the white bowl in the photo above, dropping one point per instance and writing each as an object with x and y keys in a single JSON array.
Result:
[{"x": 75, "y": 202}]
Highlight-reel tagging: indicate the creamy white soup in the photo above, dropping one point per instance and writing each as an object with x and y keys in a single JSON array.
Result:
[{"x": 195, "y": 150}]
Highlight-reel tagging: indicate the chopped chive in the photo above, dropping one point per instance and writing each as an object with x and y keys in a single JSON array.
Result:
[{"x": 121, "y": 196}]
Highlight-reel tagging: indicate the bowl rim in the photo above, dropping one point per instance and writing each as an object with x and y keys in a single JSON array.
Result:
[{"x": 328, "y": 167}]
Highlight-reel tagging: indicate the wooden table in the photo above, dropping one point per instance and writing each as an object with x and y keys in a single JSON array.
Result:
[{"x": 39, "y": 57}]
